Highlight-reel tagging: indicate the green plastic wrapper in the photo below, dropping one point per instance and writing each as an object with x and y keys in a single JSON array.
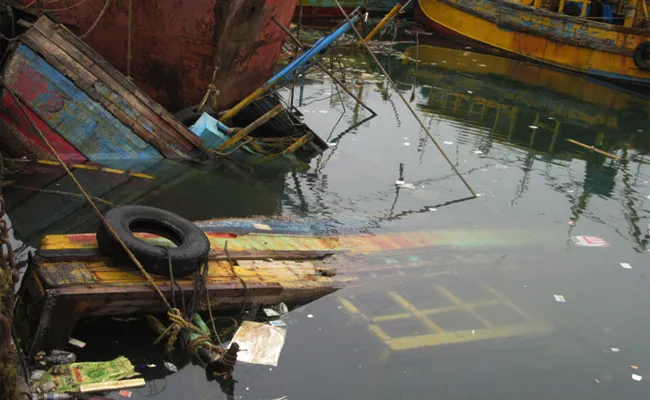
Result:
[{"x": 72, "y": 376}]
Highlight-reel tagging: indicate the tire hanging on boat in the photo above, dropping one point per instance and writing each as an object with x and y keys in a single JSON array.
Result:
[
  {"x": 192, "y": 245},
  {"x": 639, "y": 56}
]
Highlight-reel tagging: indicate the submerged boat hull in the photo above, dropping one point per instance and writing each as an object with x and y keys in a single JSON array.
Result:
[
  {"x": 171, "y": 47},
  {"x": 577, "y": 44}
]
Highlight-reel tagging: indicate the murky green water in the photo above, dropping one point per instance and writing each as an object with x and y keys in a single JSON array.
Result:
[{"x": 505, "y": 125}]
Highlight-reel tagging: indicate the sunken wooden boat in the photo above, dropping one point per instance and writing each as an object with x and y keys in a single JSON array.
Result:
[
  {"x": 608, "y": 41},
  {"x": 272, "y": 260},
  {"x": 90, "y": 112}
]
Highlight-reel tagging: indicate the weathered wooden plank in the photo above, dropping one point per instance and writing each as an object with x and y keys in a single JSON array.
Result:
[
  {"x": 72, "y": 113},
  {"x": 82, "y": 53},
  {"x": 86, "y": 81},
  {"x": 128, "y": 113}
]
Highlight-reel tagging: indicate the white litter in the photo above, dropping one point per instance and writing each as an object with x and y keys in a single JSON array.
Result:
[
  {"x": 477, "y": 152},
  {"x": 615, "y": 349},
  {"x": 399, "y": 182},
  {"x": 170, "y": 367},
  {"x": 271, "y": 313},
  {"x": 533, "y": 127},
  {"x": 448, "y": 142},
  {"x": 77, "y": 343},
  {"x": 262, "y": 227},
  {"x": 559, "y": 298},
  {"x": 470, "y": 92},
  {"x": 407, "y": 144},
  {"x": 310, "y": 316},
  {"x": 407, "y": 186},
  {"x": 551, "y": 118},
  {"x": 433, "y": 209},
  {"x": 637, "y": 377},
  {"x": 589, "y": 241},
  {"x": 479, "y": 194},
  {"x": 482, "y": 65},
  {"x": 626, "y": 266},
  {"x": 259, "y": 343},
  {"x": 332, "y": 144},
  {"x": 323, "y": 111}
]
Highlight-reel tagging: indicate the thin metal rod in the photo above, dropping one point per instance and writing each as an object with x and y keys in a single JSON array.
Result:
[
  {"x": 405, "y": 102},
  {"x": 322, "y": 67}
]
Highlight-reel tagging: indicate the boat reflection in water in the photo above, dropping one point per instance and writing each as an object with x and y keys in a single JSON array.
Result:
[{"x": 527, "y": 105}]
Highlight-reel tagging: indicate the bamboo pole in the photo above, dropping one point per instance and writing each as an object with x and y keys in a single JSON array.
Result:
[
  {"x": 250, "y": 128},
  {"x": 323, "y": 68},
  {"x": 406, "y": 102},
  {"x": 592, "y": 148},
  {"x": 384, "y": 21}
]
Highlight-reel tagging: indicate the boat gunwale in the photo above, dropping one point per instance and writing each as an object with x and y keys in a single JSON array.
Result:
[{"x": 492, "y": 18}]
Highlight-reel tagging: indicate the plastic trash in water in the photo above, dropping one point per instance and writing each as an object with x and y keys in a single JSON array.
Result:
[
  {"x": 36, "y": 375},
  {"x": 407, "y": 144},
  {"x": 589, "y": 241},
  {"x": 407, "y": 186},
  {"x": 559, "y": 298},
  {"x": 77, "y": 343},
  {"x": 57, "y": 357},
  {"x": 448, "y": 142},
  {"x": 634, "y": 367},
  {"x": 398, "y": 183},
  {"x": 533, "y": 127},
  {"x": 278, "y": 323},
  {"x": 637, "y": 377},
  {"x": 477, "y": 152},
  {"x": 171, "y": 367},
  {"x": 626, "y": 266},
  {"x": 615, "y": 349},
  {"x": 310, "y": 316},
  {"x": 271, "y": 313},
  {"x": 470, "y": 92},
  {"x": 259, "y": 343},
  {"x": 125, "y": 393}
]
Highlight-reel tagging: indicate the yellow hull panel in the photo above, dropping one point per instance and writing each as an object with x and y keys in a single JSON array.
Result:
[{"x": 542, "y": 36}]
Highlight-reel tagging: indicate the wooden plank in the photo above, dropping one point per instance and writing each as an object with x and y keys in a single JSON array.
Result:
[
  {"x": 91, "y": 83},
  {"x": 84, "y": 80},
  {"x": 163, "y": 130},
  {"x": 86, "y": 56},
  {"x": 72, "y": 113}
]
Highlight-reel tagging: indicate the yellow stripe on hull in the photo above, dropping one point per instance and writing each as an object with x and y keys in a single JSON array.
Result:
[{"x": 610, "y": 55}]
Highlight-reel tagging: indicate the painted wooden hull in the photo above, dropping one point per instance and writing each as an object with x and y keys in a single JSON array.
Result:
[
  {"x": 588, "y": 47},
  {"x": 87, "y": 109},
  {"x": 176, "y": 43}
]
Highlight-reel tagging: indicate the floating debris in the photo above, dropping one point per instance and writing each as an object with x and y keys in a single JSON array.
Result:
[
  {"x": 259, "y": 343},
  {"x": 407, "y": 186},
  {"x": 470, "y": 92},
  {"x": 533, "y": 127},
  {"x": 310, "y": 316},
  {"x": 125, "y": 393},
  {"x": 170, "y": 367},
  {"x": 407, "y": 144},
  {"x": 399, "y": 182},
  {"x": 559, "y": 298},
  {"x": 77, "y": 343},
  {"x": 589, "y": 241},
  {"x": 332, "y": 144},
  {"x": 448, "y": 142},
  {"x": 626, "y": 266},
  {"x": 477, "y": 152},
  {"x": 637, "y": 377},
  {"x": 634, "y": 367},
  {"x": 596, "y": 380},
  {"x": 262, "y": 227},
  {"x": 433, "y": 209},
  {"x": 615, "y": 349}
]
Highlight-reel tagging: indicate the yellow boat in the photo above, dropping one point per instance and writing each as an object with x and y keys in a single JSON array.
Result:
[{"x": 611, "y": 45}]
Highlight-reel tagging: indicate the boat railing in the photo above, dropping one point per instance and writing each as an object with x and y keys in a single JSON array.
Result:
[{"x": 634, "y": 13}]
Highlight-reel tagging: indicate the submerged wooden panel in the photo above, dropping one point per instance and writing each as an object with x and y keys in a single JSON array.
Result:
[{"x": 83, "y": 122}]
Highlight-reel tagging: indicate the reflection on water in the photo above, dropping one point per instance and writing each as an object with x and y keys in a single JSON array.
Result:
[{"x": 452, "y": 321}]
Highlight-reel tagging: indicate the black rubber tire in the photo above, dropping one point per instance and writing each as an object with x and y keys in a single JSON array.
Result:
[
  {"x": 192, "y": 244},
  {"x": 639, "y": 56}
]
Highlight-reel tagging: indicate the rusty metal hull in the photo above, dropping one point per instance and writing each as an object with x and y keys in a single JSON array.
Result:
[{"x": 175, "y": 44}]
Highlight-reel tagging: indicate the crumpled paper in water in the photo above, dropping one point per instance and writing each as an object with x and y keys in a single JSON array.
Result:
[{"x": 259, "y": 343}]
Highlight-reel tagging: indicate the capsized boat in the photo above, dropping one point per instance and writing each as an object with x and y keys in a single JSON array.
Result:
[
  {"x": 90, "y": 112},
  {"x": 587, "y": 37},
  {"x": 171, "y": 48}
]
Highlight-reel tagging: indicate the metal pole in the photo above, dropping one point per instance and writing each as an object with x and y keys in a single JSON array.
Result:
[
  {"x": 322, "y": 67},
  {"x": 406, "y": 102}
]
